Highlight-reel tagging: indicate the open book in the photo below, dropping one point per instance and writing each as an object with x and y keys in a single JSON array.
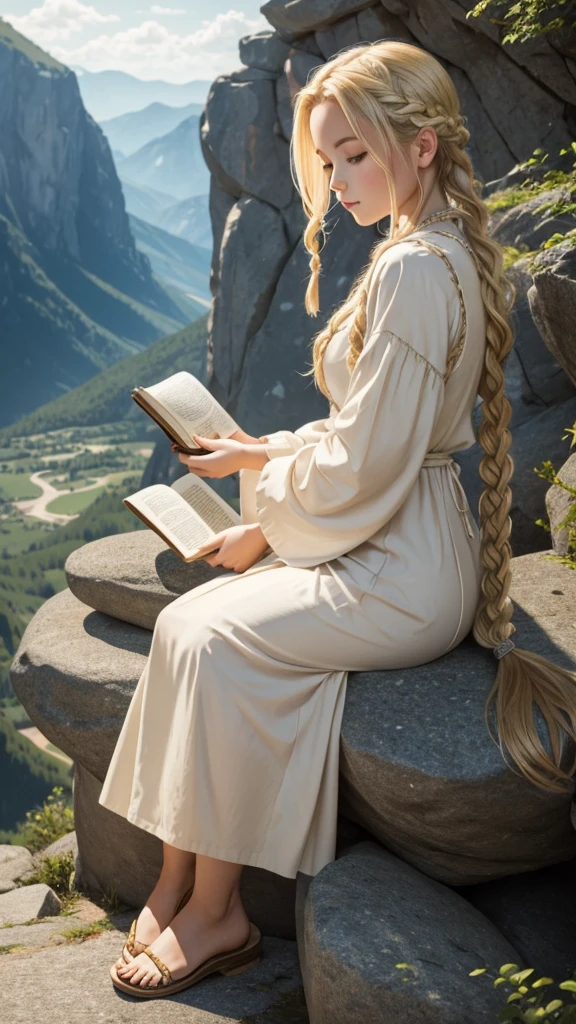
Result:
[
  {"x": 187, "y": 514},
  {"x": 182, "y": 406}
]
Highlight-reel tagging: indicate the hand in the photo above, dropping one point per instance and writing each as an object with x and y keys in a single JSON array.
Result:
[
  {"x": 241, "y": 546},
  {"x": 227, "y": 457}
]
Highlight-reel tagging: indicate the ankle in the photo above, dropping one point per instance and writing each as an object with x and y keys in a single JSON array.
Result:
[
  {"x": 216, "y": 912},
  {"x": 169, "y": 886}
]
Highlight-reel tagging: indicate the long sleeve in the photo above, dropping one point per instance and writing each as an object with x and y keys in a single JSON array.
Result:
[
  {"x": 332, "y": 494},
  {"x": 284, "y": 442}
]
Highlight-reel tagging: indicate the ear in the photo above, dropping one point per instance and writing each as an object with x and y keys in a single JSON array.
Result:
[{"x": 427, "y": 141}]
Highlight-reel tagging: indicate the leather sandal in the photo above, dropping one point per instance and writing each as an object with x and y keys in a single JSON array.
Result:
[
  {"x": 233, "y": 962},
  {"x": 132, "y": 943}
]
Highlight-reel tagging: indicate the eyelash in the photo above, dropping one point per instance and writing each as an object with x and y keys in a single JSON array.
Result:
[{"x": 359, "y": 156}]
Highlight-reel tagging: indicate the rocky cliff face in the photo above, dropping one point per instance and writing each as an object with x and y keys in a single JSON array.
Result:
[
  {"x": 515, "y": 99},
  {"x": 76, "y": 294}
]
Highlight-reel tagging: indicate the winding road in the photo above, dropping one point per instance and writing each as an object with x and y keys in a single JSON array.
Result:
[{"x": 37, "y": 506}]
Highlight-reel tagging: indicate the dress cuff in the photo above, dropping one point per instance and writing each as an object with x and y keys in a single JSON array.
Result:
[{"x": 282, "y": 442}]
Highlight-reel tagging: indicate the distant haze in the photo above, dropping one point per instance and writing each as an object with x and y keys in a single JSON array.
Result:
[{"x": 108, "y": 94}]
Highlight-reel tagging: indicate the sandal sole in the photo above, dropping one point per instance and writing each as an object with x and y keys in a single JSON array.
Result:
[{"x": 248, "y": 955}]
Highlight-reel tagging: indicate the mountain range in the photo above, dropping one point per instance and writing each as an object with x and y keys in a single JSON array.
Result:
[
  {"x": 173, "y": 164},
  {"x": 77, "y": 295},
  {"x": 131, "y": 131},
  {"x": 108, "y": 94}
]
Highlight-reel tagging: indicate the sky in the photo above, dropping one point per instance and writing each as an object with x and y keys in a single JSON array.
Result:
[{"x": 172, "y": 41}]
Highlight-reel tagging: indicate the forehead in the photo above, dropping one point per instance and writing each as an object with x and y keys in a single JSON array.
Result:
[{"x": 328, "y": 124}]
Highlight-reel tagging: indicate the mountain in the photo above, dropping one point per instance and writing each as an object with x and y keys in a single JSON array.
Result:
[
  {"x": 28, "y": 775},
  {"x": 189, "y": 219},
  {"x": 109, "y": 94},
  {"x": 76, "y": 294},
  {"x": 173, "y": 163},
  {"x": 176, "y": 262},
  {"x": 130, "y": 132},
  {"x": 106, "y": 397},
  {"x": 146, "y": 203}
]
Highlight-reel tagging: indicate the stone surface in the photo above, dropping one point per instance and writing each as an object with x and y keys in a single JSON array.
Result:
[
  {"x": 410, "y": 786},
  {"x": 60, "y": 847},
  {"x": 15, "y": 861},
  {"x": 70, "y": 984},
  {"x": 559, "y": 501},
  {"x": 27, "y": 902},
  {"x": 552, "y": 300},
  {"x": 419, "y": 771},
  {"x": 133, "y": 575},
  {"x": 368, "y": 911},
  {"x": 536, "y": 912}
]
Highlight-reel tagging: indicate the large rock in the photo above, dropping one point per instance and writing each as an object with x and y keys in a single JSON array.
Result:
[
  {"x": 559, "y": 501},
  {"x": 415, "y": 752},
  {"x": 27, "y": 903},
  {"x": 133, "y": 575},
  {"x": 15, "y": 862},
  {"x": 419, "y": 771},
  {"x": 536, "y": 913},
  {"x": 552, "y": 300},
  {"x": 367, "y": 912}
]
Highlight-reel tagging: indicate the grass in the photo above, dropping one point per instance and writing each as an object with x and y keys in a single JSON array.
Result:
[
  {"x": 71, "y": 504},
  {"x": 11, "y": 948},
  {"x": 17, "y": 486},
  {"x": 86, "y": 931}
]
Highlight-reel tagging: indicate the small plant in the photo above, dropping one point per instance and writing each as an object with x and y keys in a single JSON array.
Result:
[
  {"x": 547, "y": 472},
  {"x": 532, "y": 1002},
  {"x": 45, "y": 824},
  {"x": 86, "y": 931},
  {"x": 58, "y": 873},
  {"x": 522, "y": 18}
]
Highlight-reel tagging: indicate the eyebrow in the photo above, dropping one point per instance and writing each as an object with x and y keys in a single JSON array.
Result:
[{"x": 339, "y": 143}]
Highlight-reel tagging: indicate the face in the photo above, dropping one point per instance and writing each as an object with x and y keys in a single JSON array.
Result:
[{"x": 355, "y": 177}]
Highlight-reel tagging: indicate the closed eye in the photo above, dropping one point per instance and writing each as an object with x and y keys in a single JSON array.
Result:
[{"x": 351, "y": 160}]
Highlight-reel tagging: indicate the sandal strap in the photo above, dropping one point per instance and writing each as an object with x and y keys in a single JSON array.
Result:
[
  {"x": 131, "y": 937},
  {"x": 166, "y": 976}
]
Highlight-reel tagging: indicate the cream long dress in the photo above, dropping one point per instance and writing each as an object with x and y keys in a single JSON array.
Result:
[{"x": 230, "y": 746}]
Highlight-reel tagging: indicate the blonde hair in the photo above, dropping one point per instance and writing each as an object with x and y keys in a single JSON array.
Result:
[{"x": 401, "y": 88}]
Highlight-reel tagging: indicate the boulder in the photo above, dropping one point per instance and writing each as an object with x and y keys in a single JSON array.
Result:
[
  {"x": 559, "y": 501},
  {"x": 536, "y": 912},
  {"x": 552, "y": 299},
  {"x": 133, "y": 575},
  {"x": 15, "y": 862},
  {"x": 419, "y": 771},
  {"x": 380, "y": 942},
  {"x": 415, "y": 752},
  {"x": 28, "y": 902}
]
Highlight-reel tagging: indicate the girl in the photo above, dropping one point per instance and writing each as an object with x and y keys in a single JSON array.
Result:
[{"x": 229, "y": 751}]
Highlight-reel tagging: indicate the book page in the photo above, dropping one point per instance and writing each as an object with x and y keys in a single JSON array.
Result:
[
  {"x": 177, "y": 519},
  {"x": 185, "y": 400},
  {"x": 216, "y": 513}
]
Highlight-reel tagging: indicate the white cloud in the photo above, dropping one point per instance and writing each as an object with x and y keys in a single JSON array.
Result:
[
  {"x": 151, "y": 49},
  {"x": 165, "y": 11},
  {"x": 57, "y": 19}
]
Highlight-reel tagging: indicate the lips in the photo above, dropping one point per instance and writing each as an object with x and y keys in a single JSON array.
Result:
[{"x": 348, "y": 205}]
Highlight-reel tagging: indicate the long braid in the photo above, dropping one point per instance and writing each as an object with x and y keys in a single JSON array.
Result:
[{"x": 402, "y": 88}]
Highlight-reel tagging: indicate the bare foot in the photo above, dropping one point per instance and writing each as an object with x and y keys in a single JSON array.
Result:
[
  {"x": 189, "y": 940},
  {"x": 156, "y": 915}
]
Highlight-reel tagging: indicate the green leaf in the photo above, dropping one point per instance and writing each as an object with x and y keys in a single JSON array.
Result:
[
  {"x": 515, "y": 995},
  {"x": 542, "y": 981},
  {"x": 507, "y": 968},
  {"x": 568, "y": 986},
  {"x": 520, "y": 976},
  {"x": 479, "y": 970},
  {"x": 408, "y": 967},
  {"x": 556, "y": 1004},
  {"x": 499, "y": 981}
]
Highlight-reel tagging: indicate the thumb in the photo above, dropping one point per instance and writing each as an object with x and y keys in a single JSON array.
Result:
[
  {"x": 206, "y": 442},
  {"x": 210, "y": 545}
]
